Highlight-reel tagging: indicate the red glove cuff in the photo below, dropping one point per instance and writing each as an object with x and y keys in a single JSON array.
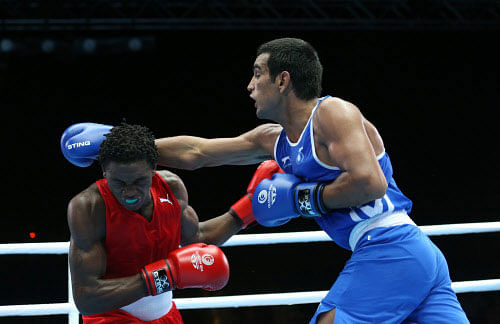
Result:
[
  {"x": 158, "y": 277},
  {"x": 243, "y": 210}
]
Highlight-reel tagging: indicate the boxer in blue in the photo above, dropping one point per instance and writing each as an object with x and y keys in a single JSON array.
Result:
[{"x": 338, "y": 174}]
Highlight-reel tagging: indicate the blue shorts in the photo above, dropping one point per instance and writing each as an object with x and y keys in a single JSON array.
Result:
[{"x": 395, "y": 275}]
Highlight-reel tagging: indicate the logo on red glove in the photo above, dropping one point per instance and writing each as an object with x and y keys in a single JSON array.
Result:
[
  {"x": 161, "y": 281},
  {"x": 198, "y": 261}
]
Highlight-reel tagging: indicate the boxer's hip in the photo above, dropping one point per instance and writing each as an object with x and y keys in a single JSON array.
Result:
[{"x": 159, "y": 309}]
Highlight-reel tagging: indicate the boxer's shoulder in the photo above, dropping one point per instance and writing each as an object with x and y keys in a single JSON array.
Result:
[
  {"x": 170, "y": 178},
  {"x": 175, "y": 183},
  {"x": 87, "y": 212},
  {"x": 88, "y": 198}
]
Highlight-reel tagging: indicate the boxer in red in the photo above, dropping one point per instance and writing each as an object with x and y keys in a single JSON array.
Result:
[{"x": 126, "y": 229}]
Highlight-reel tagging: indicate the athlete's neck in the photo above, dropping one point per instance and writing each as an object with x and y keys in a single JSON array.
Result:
[{"x": 296, "y": 116}]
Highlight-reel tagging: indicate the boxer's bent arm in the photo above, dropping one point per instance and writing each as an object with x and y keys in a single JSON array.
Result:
[
  {"x": 87, "y": 260},
  {"x": 213, "y": 231},
  {"x": 189, "y": 152},
  {"x": 339, "y": 127}
]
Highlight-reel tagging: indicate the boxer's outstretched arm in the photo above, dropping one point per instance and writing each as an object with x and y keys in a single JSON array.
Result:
[
  {"x": 87, "y": 260},
  {"x": 189, "y": 152}
]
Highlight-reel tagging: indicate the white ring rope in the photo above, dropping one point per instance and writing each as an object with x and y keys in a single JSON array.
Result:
[
  {"x": 294, "y": 298},
  {"x": 271, "y": 238},
  {"x": 35, "y": 248},
  {"x": 320, "y": 236},
  {"x": 241, "y": 300},
  {"x": 36, "y": 309}
]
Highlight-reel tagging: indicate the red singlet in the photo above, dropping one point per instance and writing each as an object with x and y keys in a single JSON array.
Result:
[{"x": 132, "y": 242}]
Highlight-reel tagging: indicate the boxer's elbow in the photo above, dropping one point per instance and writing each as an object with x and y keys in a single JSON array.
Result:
[
  {"x": 372, "y": 186},
  {"x": 196, "y": 159},
  {"x": 180, "y": 152},
  {"x": 82, "y": 302},
  {"x": 188, "y": 160},
  {"x": 86, "y": 301},
  {"x": 378, "y": 187},
  {"x": 191, "y": 161}
]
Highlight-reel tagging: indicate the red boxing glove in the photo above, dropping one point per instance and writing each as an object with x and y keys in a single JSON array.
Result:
[
  {"x": 193, "y": 266},
  {"x": 243, "y": 207}
]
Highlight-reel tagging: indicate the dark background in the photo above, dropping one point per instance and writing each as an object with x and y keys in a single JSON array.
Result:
[{"x": 432, "y": 95}]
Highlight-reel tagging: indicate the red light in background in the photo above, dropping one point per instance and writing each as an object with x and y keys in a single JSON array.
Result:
[{"x": 32, "y": 235}]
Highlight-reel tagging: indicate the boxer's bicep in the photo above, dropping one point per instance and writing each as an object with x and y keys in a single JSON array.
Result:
[
  {"x": 87, "y": 267},
  {"x": 190, "y": 226},
  {"x": 339, "y": 127},
  {"x": 190, "y": 229},
  {"x": 264, "y": 138},
  {"x": 87, "y": 254}
]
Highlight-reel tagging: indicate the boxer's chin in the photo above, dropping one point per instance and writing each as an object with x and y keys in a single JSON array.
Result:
[{"x": 260, "y": 112}]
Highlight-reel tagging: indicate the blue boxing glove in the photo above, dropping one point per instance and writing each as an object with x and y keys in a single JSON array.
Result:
[
  {"x": 276, "y": 201},
  {"x": 80, "y": 142}
]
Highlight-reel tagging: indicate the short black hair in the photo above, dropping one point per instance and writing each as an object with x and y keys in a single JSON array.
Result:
[
  {"x": 300, "y": 59},
  {"x": 129, "y": 143}
]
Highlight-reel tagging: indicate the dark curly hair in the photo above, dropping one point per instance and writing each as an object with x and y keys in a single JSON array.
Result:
[
  {"x": 300, "y": 59},
  {"x": 129, "y": 143}
]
